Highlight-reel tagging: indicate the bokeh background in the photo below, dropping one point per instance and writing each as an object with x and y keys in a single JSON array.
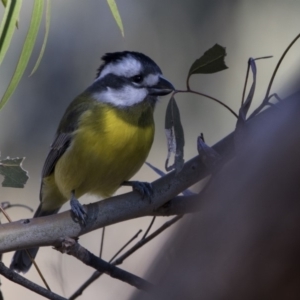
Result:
[{"x": 172, "y": 32}]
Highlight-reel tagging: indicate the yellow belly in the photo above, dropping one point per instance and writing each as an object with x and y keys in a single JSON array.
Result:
[{"x": 105, "y": 151}]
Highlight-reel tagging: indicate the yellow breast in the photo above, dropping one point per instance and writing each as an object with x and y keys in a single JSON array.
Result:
[{"x": 109, "y": 147}]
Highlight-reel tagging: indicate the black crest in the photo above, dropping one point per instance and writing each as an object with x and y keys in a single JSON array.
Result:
[{"x": 114, "y": 57}]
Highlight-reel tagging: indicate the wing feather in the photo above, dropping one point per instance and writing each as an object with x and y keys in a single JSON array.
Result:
[{"x": 64, "y": 135}]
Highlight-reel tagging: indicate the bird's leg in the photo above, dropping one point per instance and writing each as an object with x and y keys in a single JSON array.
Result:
[
  {"x": 144, "y": 188},
  {"x": 77, "y": 208}
]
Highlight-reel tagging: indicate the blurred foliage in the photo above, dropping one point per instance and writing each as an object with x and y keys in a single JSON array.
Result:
[
  {"x": 7, "y": 28},
  {"x": 115, "y": 12}
]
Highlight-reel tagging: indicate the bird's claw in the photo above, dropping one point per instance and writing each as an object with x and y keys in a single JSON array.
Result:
[
  {"x": 145, "y": 189},
  {"x": 78, "y": 210}
]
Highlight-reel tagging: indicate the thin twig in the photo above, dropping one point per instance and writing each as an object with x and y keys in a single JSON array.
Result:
[
  {"x": 141, "y": 243},
  {"x": 122, "y": 248},
  {"x": 27, "y": 252},
  {"x": 149, "y": 227},
  {"x": 102, "y": 242},
  {"x": 7, "y": 204},
  {"x": 245, "y": 84},
  {"x": 15, "y": 277},
  {"x": 138, "y": 245},
  {"x": 72, "y": 247},
  {"x": 207, "y": 96},
  {"x": 97, "y": 274},
  {"x": 279, "y": 63},
  {"x": 266, "y": 99}
]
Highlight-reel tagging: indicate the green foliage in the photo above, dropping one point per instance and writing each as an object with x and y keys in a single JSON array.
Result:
[
  {"x": 26, "y": 51},
  {"x": 115, "y": 12},
  {"x": 8, "y": 24},
  {"x": 7, "y": 28},
  {"x": 47, "y": 28},
  {"x": 14, "y": 175},
  {"x": 211, "y": 61}
]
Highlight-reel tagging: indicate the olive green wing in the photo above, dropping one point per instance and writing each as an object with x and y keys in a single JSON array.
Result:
[{"x": 63, "y": 138}]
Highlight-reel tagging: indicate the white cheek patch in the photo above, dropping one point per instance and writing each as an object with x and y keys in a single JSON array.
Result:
[
  {"x": 126, "y": 67},
  {"x": 151, "y": 79},
  {"x": 126, "y": 96}
]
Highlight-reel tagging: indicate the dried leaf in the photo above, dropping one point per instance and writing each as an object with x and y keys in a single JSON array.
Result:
[
  {"x": 208, "y": 155},
  {"x": 186, "y": 192},
  {"x": 14, "y": 175},
  {"x": 175, "y": 136}
]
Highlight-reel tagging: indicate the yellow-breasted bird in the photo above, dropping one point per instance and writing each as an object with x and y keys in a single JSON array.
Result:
[{"x": 103, "y": 138}]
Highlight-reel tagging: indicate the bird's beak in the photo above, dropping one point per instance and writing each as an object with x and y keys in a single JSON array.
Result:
[{"x": 162, "y": 88}]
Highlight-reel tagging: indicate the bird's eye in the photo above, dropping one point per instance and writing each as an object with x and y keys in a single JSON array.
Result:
[{"x": 137, "y": 78}]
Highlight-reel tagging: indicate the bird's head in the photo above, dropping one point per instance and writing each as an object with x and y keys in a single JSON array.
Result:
[{"x": 128, "y": 78}]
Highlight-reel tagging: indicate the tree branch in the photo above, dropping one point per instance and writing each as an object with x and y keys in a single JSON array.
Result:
[
  {"x": 15, "y": 277},
  {"x": 46, "y": 231},
  {"x": 128, "y": 253},
  {"x": 72, "y": 247},
  {"x": 50, "y": 230}
]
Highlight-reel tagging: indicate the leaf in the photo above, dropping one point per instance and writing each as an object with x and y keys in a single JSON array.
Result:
[
  {"x": 175, "y": 136},
  {"x": 14, "y": 175},
  {"x": 246, "y": 105},
  {"x": 156, "y": 170},
  {"x": 211, "y": 61},
  {"x": 47, "y": 28},
  {"x": 208, "y": 155},
  {"x": 8, "y": 24},
  {"x": 186, "y": 192},
  {"x": 115, "y": 12},
  {"x": 26, "y": 51}
]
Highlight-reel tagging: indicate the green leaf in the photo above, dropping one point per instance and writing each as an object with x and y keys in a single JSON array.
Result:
[
  {"x": 175, "y": 136},
  {"x": 47, "y": 27},
  {"x": 26, "y": 51},
  {"x": 8, "y": 24},
  {"x": 115, "y": 12},
  {"x": 14, "y": 175},
  {"x": 211, "y": 61}
]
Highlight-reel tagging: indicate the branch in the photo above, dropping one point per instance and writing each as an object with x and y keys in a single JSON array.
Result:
[
  {"x": 46, "y": 231},
  {"x": 180, "y": 205},
  {"x": 71, "y": 247},
  {"x": 128, "y": 253},
  {"x": 15, "y": 277}
]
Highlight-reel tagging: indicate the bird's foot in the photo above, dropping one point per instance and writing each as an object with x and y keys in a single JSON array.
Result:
[
  {"x": 143, "y": 188},
  {"x": 78, "y": 209}
]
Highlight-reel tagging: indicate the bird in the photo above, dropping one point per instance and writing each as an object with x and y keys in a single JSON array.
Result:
[{"x": 103, "y": 138}]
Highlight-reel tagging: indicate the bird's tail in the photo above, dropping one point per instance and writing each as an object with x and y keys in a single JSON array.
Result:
[{"x": 21, "y": 261}]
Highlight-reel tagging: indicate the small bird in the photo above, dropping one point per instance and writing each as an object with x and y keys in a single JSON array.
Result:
[{"x": 103, "y": 138}]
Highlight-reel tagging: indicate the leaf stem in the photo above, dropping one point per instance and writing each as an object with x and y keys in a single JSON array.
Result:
[{"x": 207, "y": 96}]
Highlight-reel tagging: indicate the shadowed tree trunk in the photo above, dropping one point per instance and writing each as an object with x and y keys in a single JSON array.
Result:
[{"x": 245, "y": 241}]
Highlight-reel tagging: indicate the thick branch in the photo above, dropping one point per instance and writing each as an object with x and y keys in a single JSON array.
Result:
[
  {"x": 46, "y": 231},
  {"x": 179, "y": 205},
  {"x": 51, "y": 230}
]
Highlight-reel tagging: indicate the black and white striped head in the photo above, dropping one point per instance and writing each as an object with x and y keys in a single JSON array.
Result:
[{"x": 128, "y": 78}]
